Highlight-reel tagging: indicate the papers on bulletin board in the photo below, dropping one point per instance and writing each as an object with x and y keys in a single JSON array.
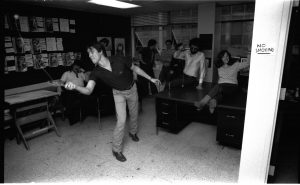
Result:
[
  {"x": 10, "y": 63},
  {"x": 27, "y": 45},
  {"x": 24, "y": 26},
  {"x": 49, "y": 24},
  {"x": 53, "y": 62},
  {"x": 64, "y": 25},
  {"x": 59, "y": 59},
  {"x": 55, "y": 24},
  {"x": 19, "y": 44},
  {"x": 40, "y": 61},
  {"x": 40, "y": 24},
  {"x": 6, "y": 25},
  {"x": 21, "y": 63},
  {"x": 39, "y": 45},
  {"x": 29, "y": 60},
  {"x": 69, "y": 59},
  {"x": 59, "y": 44},
  {"x": 51, "y": 43},
  {"x": 72, "y": 26},
  {"x": 8, "y": 44}
]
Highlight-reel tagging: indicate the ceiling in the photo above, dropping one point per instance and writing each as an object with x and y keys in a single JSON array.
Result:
[{"x": 147, "y": 6}]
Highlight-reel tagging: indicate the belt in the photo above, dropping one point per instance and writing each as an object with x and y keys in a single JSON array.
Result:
[{"x": 131, "y": 85}]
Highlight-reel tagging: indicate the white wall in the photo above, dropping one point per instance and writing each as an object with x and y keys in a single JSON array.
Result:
[
  {"x": 270, "y": 28},
  {"x": 206, "y": 25}
]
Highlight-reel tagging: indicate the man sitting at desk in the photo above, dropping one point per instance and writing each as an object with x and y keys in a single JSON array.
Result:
[
  {"x": 194, "y": 69},
  {"x": 72, "y": 100}
]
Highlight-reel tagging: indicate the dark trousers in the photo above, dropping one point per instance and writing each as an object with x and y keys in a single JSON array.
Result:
[
  {"x": 219, "y": 91},
  {"x": 144, "y": 83},
  {"x": 73, "y": 102}
]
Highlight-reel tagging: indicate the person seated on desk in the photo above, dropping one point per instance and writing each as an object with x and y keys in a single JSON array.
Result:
[
  {"x": 227, "y": 83},
  {"x": 194, "y": 69},
  {"x": 72, "y": 100}
]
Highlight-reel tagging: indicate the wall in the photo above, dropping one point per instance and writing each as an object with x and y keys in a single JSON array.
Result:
[
  {"x": 206, "y": 25},
  {"x": 88, "y": 27}
]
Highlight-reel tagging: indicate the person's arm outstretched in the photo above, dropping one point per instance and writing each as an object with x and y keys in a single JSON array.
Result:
[
  {"x": 87, "y": 90},
  {"x": 142, "y": 73}
]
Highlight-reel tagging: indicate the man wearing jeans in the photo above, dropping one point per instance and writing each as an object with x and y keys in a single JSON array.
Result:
[{"x": 117, "y": 73}]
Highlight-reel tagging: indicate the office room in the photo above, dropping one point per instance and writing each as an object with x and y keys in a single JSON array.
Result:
[{"x": 176, "y": 127}]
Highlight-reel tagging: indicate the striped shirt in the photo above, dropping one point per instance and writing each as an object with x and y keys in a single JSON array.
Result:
[{"x": 228, "y": 74}]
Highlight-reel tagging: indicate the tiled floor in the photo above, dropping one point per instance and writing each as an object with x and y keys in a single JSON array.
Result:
[{"x": 83, "y": 154}]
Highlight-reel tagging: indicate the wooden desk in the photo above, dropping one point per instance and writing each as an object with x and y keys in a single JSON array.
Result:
[
  {"x": 175, "y": 108},
  {"x": 29, "y": 107}
]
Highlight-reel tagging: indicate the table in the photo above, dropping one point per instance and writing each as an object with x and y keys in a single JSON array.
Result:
[
  {"x": 29, "y": 107},
  {"x": 175, "y": 108}
]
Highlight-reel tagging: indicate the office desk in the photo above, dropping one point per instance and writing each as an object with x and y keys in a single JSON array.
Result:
[
  {"x": 30, "y": 107},
  {"x": 175, "y": 108}
]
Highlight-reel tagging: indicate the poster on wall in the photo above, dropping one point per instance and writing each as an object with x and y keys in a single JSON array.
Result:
[
  {"x": 21, "y": 63},
  {"x": 106, "y": 42},
  {"x": 119, "y": 46},
  {"x": 40, "y": 61}
]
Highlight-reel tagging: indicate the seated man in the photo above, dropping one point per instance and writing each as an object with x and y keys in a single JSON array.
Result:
[{"x": 72, "y": 100}]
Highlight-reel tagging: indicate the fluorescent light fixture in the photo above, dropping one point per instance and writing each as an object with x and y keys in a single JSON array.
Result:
[{"x": 114, "y": 3}]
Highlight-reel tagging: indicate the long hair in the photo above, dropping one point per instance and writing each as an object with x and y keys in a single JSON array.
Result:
[{"x": 219, "y": 62}]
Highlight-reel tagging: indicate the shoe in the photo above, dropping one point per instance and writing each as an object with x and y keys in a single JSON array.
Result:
[
  {"x": 119, "y": 156},
  {"x": 134, "y": 137},
  {"x": 199, "y": 105}
]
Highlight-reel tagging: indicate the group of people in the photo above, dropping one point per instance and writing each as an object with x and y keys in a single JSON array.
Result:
[{"x": 118, "y": 73}]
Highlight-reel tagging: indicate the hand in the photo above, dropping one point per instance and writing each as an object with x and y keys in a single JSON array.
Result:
[
  {"x": 156, "y": 81},
  {"x": 70, "y": 86},
  {"x": 199, "y": 87}
]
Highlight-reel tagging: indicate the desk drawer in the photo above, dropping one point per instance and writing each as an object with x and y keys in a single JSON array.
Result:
[
  {"x": 230, "y": 126},
  {"x": 165, "y": 106}
]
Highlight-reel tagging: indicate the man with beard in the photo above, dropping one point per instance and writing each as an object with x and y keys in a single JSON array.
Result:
[{"x": 194, "y": 70}]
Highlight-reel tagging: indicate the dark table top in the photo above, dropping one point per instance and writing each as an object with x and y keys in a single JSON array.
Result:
[{"x": 190, "y": 95}]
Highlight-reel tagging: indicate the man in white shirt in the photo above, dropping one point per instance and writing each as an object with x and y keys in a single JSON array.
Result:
[
  {"x": 73, "y": 100},
  {"x": 194, "y": 70}
]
